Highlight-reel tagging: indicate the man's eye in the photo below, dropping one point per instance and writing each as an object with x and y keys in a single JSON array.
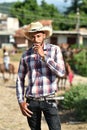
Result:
[{"x": 38, "y": 36}]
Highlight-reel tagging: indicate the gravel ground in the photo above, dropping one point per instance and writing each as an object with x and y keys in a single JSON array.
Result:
[{"x": 11, "y": 117}]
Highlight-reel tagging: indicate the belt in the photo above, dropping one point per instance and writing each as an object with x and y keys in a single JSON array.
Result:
[{"x": 44, "y": 98}]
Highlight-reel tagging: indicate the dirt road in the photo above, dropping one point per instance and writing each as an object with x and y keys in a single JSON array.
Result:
[{"x": 10, "y": 115}]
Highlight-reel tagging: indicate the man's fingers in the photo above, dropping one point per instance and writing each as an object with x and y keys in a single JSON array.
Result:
[{"x": 27, "y": 111}]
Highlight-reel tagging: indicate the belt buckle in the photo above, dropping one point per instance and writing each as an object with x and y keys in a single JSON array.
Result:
[
  {"x": 37, "y": 98},
  {"x": 50, "y": 97},
  {"x": 41, "y": 99}
]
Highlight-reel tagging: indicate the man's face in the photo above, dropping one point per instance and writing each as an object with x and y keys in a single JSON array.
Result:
[{"x": 38, "y": 37}]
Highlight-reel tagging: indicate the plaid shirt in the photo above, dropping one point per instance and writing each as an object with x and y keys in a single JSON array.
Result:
[{"x": 42, "y": 75}]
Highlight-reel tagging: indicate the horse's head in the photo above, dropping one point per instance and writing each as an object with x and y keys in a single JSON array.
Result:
[{"x": 67, "y": 54}]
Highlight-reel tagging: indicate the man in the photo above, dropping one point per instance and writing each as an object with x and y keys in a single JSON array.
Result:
[{"x": 43, "y": 63}]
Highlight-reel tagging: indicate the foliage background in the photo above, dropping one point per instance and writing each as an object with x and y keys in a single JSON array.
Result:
[
  {"x": 76, "y": 100},
  {"x": 28, "y": 11}
]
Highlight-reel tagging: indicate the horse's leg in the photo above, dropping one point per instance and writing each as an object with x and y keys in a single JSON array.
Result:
[
  {"x": 13, "y": 73},
  {"x": 65, "y": 83},
  {"x": 61, "y": 83},
  {"x": 3, "y": 74},
  {"x": 10, "y": 75},
  {"x": 58, "y": 83}
]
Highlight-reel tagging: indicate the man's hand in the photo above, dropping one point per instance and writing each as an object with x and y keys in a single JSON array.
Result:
[
  {"x": 38, "y": 48},
  {"x": 24, "y": 109}
]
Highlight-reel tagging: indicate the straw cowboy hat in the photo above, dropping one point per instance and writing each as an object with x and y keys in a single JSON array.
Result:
[{"x": 37, "y": 27}]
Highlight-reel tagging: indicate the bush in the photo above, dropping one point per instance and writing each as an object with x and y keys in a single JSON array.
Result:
[
  {"x": 76, "y": 99},
  {"x": 81, "y": 110}
]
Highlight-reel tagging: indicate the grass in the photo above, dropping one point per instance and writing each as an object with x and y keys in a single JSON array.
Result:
[{"x": 14, "y": 58}]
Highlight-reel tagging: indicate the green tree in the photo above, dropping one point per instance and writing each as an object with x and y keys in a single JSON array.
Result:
[
  {"x": 25, "y": 11},
  {"x": 28, "y": 11},
  {"x": 72, "y": 11},
  {"x": 49, "y": 11},
  {"x": 83, "y": 8},
  {"x": 74, "y": 5}
]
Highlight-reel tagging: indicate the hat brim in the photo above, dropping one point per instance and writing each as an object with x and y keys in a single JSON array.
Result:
[{"x": 47, "y": 30}]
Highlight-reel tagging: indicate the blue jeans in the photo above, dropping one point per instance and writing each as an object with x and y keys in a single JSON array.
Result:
[{"x": 50, "y": 111}]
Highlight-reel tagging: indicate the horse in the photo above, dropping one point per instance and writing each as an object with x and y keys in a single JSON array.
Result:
[
  {"x": 10, "y": 71},
  {"x": 68, "y": 54}
]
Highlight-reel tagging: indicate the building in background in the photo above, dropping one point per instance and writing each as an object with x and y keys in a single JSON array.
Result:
[
  {"x": 8, "y": 26},
  {"x": 70, "y": 37},
  {"x": 58, "y": 37},
  {"x": 11, "y": 33}
]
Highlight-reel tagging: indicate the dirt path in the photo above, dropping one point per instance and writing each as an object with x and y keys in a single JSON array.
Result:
[{"x": 10, "y": 115}]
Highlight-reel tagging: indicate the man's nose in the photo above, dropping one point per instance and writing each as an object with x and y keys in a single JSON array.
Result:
[{"x": 35, "y": 39}]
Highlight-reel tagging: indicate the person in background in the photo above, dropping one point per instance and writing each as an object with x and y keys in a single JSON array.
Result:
[
  {"x": 43, "y": 63},
  {"x": 6, "y": 60}
]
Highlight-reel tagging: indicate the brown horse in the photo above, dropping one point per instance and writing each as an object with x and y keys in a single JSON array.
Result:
[
  {"x": 68, "y": 54},
  {"x": 10, "y": 71}
]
